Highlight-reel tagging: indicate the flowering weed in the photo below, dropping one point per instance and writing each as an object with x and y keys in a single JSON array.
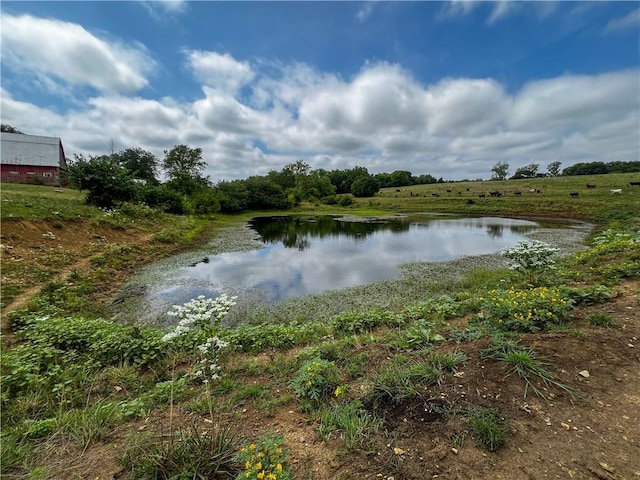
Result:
[
  {"x": 526, "y": 310},
  {"x": 264, "y": 460}
]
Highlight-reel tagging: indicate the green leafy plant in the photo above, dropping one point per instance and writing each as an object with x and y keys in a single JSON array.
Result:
[
  {"x": 489, "y": 430},
  {"x": 530, "y": 258},
  {"x": 529, "y": 310},
  {"x": 266, "y": 459},
  {"x": 315, "y": 380}
]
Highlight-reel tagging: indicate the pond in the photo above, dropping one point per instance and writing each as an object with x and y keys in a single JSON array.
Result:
[{"x": 298, "y": 256}]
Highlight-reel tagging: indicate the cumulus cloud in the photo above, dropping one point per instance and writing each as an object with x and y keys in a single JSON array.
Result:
[
  {"x": 77, "y": 57},
  {"x": 219, "y": 71},
  {"x": 253, "y": 117}
]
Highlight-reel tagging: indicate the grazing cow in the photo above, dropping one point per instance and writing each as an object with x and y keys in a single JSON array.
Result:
[
  {"x": 573, "y": 194},
  {"x": 634, "y": 183},
  {"x": 495, "y": 194},
  {"x": 532, "y": 190},
  {"x": 470, "y": 202},
  {"x": 591, "y": 185},
  {"x": 517, "y": 192},
  {"x": 449, "y": 190},
  {"x": 397, "y": 189},
  {"x": 616, "y": 190},
  {"x": 482, "y": 195},
  {"x": 435, "y": 195}
]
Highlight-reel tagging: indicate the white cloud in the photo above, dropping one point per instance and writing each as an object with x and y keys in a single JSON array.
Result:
[
  {"x": 219, "y": 71},
  {"x": 382, "y": 118},
  {"x": 629, "y": 21},
  {"x": 76, "y": 57}
]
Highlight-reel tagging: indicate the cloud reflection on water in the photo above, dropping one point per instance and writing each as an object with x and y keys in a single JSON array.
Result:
[{"x": 345, "y": 256}]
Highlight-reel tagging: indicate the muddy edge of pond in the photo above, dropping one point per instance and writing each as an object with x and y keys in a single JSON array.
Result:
[{"x": 415, "y": 284}]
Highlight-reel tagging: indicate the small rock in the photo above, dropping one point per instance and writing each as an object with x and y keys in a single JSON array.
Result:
[
  {"x": 584, "y": 373},
  {"x": 454, "y": 450},
  {"x": 398, "y": 451},
  {"x": 565, "y": 426},
  {"x": 302, "y": 439}
]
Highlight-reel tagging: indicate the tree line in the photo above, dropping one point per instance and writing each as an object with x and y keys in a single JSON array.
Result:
[
  {"x": 500, "y": 170},
  {"x": 132, "y": 175}
]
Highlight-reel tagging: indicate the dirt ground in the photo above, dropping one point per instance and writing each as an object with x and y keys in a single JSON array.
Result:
[{"x": 595, "y": 436}]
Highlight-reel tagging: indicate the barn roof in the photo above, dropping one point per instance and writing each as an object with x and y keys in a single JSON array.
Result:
[{"x": 20, "y": 149}]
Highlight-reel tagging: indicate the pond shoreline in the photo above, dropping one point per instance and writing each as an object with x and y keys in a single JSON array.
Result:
[{"x": 418, "y": 280}]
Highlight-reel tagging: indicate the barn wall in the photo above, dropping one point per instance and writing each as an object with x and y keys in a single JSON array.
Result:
[{"x": 30, "y": 174}]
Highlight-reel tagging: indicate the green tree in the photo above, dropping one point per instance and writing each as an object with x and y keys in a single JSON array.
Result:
[
  {"x": 9, "y": 129},
  {"x": 105, "y": 180},
  {"x": 528, "y": 171},
  {"x": 554, "y": 168},
  {"x": 233, "y": 196},
  {"x": 182, "y": 159},
  {"x": 141, "y": 164},
  {"x": 400, "y": 178},
  {"x": 500, "y": 171},
  {"x": 365, "y": 187},
  {"x": 264, "y": 194}
]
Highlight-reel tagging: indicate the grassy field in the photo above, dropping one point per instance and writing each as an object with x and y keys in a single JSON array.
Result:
[{"x": 370, "y": 392}]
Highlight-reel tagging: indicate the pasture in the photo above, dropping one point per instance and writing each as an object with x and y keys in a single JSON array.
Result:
[{"x": 481, "y": 372}]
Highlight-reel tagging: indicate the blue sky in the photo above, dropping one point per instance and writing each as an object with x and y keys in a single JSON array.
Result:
[{"x": 445, "y": 88}]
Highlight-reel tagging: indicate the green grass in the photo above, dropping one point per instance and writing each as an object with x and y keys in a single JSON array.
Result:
[
  {"x": 62, "y": 384},
  {"x": 31, "y": 202},
  {"x": 597, "y": 204}
]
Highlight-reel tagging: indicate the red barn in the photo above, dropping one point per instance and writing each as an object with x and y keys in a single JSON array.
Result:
[{"x": 32, "y": 159}]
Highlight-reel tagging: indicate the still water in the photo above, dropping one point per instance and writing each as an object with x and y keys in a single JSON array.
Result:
[{"x": 310, "y": 255}]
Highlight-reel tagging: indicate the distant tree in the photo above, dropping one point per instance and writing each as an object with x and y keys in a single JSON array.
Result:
[
  {"x": 264, "y": 194},
  {"x": 315, "y": 185},
  {"x": 141, "y": 164},
  {"x": 500, "y": 171},
  {"x": 623, "y": 167},
  {"x": 365, "y": 187},
  {"x": 554, "y": 168},
  {"x": 187, "y": 185},
  {"x": 591, "y": 168},
  {"x": 107, "y": 182},
  {"x": 425, "y": 179},
  {"x": 298, "y": 168},
  {"x": 233, "y": 196},
  {"x": 400, "y": 178},
  {"x": 182, "y": 159},
  {"x": 528, "y": 171},
  {"x": 9, "y": 129}
]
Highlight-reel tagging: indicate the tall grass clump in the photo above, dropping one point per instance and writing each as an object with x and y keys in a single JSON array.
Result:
[
  {"x": 190, "y": 455},
  {"x": 527, "y": 364}
]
